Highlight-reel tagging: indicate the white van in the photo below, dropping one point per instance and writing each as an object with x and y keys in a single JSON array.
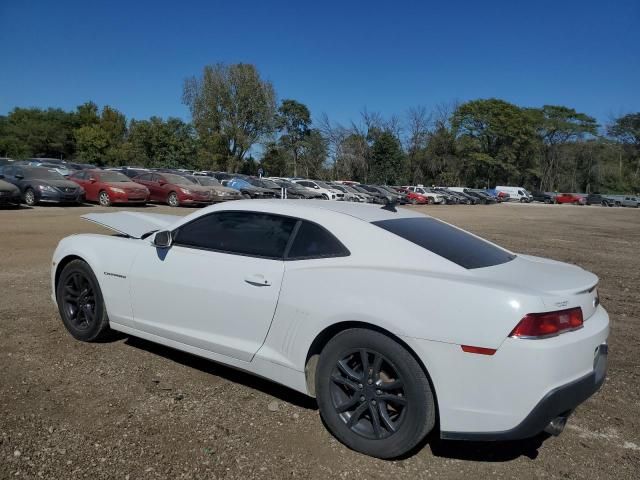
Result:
[{"x": 517, "y": 194}]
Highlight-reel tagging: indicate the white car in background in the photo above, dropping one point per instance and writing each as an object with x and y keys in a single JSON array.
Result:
[
  {"x": 327, "y": 192},
  {"x": 390, "y": 318},
  {"x": 517, "y": 194}
]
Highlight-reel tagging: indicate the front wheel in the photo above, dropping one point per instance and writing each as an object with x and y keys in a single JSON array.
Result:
[
  {"x": 172, "y": 200},
  {"x": 104, "y": 199},
  {"x": 30, "y": 197},
  {"x": 80, "y": 302},
  {"x": 373, "y": 395}
]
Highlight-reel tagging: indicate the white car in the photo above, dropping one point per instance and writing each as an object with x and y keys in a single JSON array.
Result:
[
  {"x": 326, "y": 192},
  {"x": 432, "y": 196},
  {"x": 517, "y": 194},
  {"x": 391, "y": 319}
]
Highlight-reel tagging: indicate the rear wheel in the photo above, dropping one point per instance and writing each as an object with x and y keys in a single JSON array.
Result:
[
  {"x": 80, "y": 302},
  {"x": 30, "y": 197},
  {"x": 373, "y": 395},
  {"x": 414, "y": 201},
  {"x": 172, "y": 200},
  {"x": 103, "y": 198}
]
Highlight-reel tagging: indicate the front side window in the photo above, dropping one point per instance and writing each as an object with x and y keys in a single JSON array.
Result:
[
  {"x": 242, "y": 233},
  {"x": 313, "y": 241},
  {"x": 447, "y": 241}
]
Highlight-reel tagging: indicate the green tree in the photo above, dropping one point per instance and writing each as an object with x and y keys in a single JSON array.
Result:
[
  {"x": 387, "y": 159},
  {"x": 626, "y": 130},
  {"x": 159, "y": 143},
  {"x": 233, "y": 106},
  {"x": 496, "y": 140},
  {"x": 556, "y": 125},
  {"x": 294, "y": 121}
]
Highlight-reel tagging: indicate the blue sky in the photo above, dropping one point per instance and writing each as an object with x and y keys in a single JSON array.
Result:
[{"x": 337, "y": 57}]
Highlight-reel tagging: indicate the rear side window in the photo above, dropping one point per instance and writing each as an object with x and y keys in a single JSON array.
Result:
[
  {"x": 313, "y": 241},
  {"x": 446, "y": 241},
  {"x": 242, "y": 233}
]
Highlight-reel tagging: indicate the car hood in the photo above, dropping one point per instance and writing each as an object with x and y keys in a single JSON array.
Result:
[
  {"x": 8, "y": 187},
  {"x": 132, "y": 224}
]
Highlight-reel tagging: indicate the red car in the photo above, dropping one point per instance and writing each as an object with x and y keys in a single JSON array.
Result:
[
  {"x": 107, "y": 187},
  {"x": 570, "y": 198},
  {"x": 414, "y": 198},
  {"x": 174, "y": 190}
]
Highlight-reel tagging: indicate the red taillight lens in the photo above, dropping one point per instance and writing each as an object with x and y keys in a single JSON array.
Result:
[{"x": 536, "y": 325}]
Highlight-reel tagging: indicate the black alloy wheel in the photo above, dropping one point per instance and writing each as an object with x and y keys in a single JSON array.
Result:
[
  {"x": 368, "y": 394},
  {"x": 372, "y": 393},
  {"x": 80, "y": 302}
]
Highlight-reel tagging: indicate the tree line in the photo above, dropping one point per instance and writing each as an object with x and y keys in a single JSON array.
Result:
[{"x": 238, "y": 125}]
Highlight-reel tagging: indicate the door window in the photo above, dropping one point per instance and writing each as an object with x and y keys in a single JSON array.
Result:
[{"x": 242, "y": 233}]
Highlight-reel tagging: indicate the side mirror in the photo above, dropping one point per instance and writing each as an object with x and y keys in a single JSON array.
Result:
[
  {"x": 93, "y": 180},
  {"x": 162, "y": 239},
  {"x": 162, "y": 182}
]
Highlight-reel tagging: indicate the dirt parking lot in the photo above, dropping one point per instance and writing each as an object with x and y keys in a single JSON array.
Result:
[{"x": 131, "y": 409}]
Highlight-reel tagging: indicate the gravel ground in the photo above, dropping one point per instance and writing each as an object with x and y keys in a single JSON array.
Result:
[{"x": 131, "y": 409}]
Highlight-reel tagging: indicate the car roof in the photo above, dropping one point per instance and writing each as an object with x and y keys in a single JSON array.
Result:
[{"x": 299, "y": 208}]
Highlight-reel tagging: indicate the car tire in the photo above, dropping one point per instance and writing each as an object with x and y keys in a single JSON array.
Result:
[
  {"x": 103, "y": 199},
  {"x": 81, "y": 304},
  {"x": 325, "y": 196},
  {"x": 246, "y": 196},
  {"x": 430, "y": 200},
  {"x": 173, "y": 200},
  {"x": 391, "y": 399},
  {"x": 414, "y": 201},
  {"x": 30, "y": 197}
]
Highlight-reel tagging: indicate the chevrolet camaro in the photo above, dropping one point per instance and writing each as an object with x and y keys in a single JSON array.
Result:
[{"x": 396, "y": 322}]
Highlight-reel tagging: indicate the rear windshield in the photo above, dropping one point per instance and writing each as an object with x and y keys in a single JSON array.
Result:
[{"x": 446, "y": 241}]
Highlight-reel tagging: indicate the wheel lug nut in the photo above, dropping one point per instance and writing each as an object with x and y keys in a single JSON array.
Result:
[
  {"x": 373, "y": 402},
  {"x": 360, "y": 386},
  {"x": 362, "y": 398},
  {"x": 379, "y": 392},
  {"x": 369, "y": 381}
]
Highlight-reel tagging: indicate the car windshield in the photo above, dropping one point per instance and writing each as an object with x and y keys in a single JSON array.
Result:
[
  {"x": 41, "y": 173},
  {"x": 350, "y": 189},
  {"x": 206, "y": 181},
  {"x": 177, "y": 179},
  {"x": 447, "y": 241},
  {"x": 322, "y": 185},
  {"x": 288, "y": 184},
  {"x": 340, "y": 188},
  {"x": 114, "y": 177},
  {"x": 239, "y": 182},
  {"x": 266, "y": 183}
]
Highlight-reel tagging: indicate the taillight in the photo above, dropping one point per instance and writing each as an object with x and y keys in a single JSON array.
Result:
[{"x": 548, "y": 324}]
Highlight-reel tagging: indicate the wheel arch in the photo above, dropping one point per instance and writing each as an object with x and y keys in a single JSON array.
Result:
[
  {"x": 322, "y": 338},
  {"x": 63, "y": 263}
]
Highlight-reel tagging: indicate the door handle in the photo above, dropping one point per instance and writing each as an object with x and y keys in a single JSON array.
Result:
[{"x": 257, "y": 280}]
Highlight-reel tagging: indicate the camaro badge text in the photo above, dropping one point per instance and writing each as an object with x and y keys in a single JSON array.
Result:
[{"x": 115, "y": 275}]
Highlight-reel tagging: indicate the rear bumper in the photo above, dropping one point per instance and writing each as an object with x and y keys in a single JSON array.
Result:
[{"x": 559, "y": 402}]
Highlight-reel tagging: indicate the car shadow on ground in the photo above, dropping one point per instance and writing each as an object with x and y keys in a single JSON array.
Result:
[
  {"x": 15, "y": 207},
  {"x": 281, "y": 392},
  {"x": 487, "y": 451}
]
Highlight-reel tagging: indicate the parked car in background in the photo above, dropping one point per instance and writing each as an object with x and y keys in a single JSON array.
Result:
[
  {"x": 571, "y": 198},
  {"x": 174, "y": 190},
  {"x": 349, "y": 195},
  {"x": 518, "y": 194},
  {"x": 544, "y": 197},
  {"x": 415, "y": 198},
  {"x": 348, "y": 186},
  {"x": 293, "y": 190},
  {"x": 483, "y": 197},
  {"x": 598, "y": 199},
  {"x": 328, "y": 299},
  {"x": 249, "y": 190},
  {"x": 433, "y": 197},
  {"x": 38, "y": 184},
  {"x": 108, "y": 187},
  {"x": 6, "y": 161},
  {"x": 219, "y": 193},
  {"x": 130, "y": 171},
  {"x": 9, "y": 193},
  {"x": 327, "y": 192},
  {"x": 59, "y": 167},
  {"x": 625, "y": 200}
]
